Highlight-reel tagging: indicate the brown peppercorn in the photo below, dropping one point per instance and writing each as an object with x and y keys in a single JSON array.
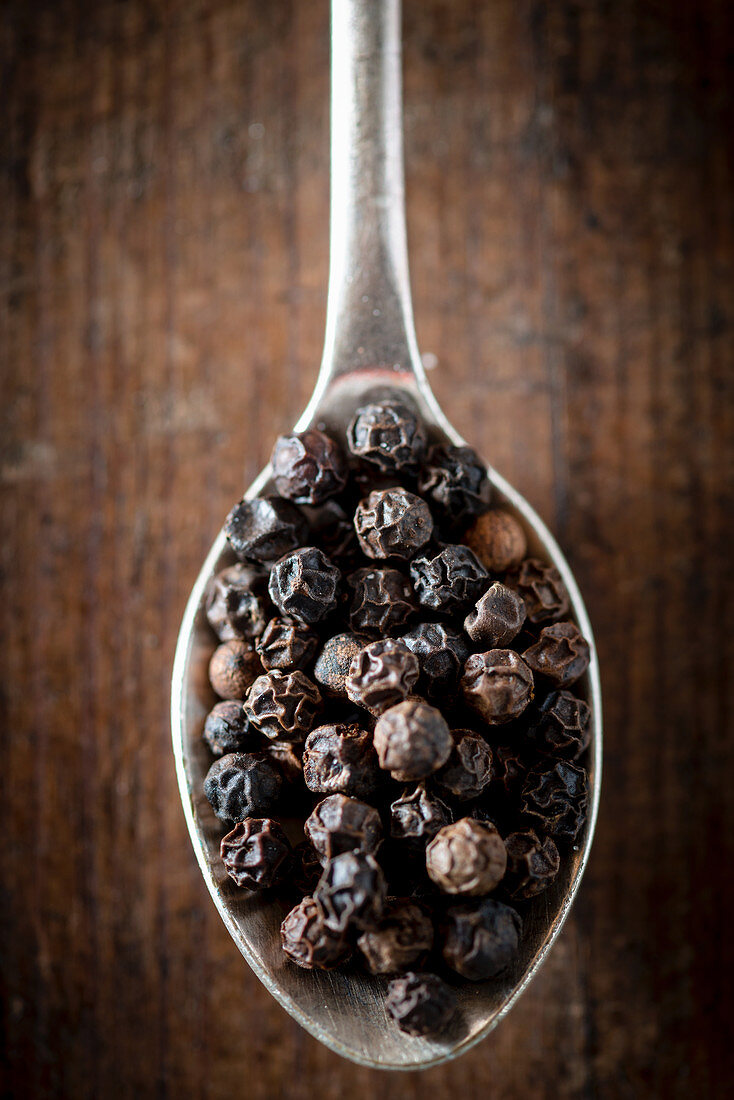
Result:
[
  {"x": 561, "y": 654},
  {"x": 455, "y": 480},
  {"x": 412, "y": 740},
  {"x": 288, "y": 758},
  {"x": 420, "y": 1004},
  {"x": 351, "y": 892},
  {"x": 498, "y": 685},
  {"x": 417, "y": 816},
  {"x": 388, "y": 435},
  {"x": 240, "y": 785},
  {"x": 468, "y": 769},
  {"x": 308, "y": 466},
  {"x": 340, "y": 759},
  {"x": 498, "y": 540},
  {"x": 449, "y": 581},
  {"x": 383, "y": 601},
  {"x": 304, "y": 585},
  {"x": 233, "y": 668},
  {"x": 283, "y": 705},
  {"x": 381, "y": 674},
  {"x": 542, "y": 589},
  {"x": 399, "y": 941},
  {"x": 308, "y": 941},
  {"x": 286, "y": 645},
  {"x": 480, "y": 938},
  {"x": 468, "y": 857},
  {"x": 562, "y": 726},
  {"x": 441, "y": 652},
  {"x": 256, "y": 854},
  {"x": 496, "y": 618},
  {"x": 532, "y": 864},
  {"x": 227, "y": 729},
  {"x": 332, "y": 663},
  {"x": 341, "y": 824},
  {"x": 555, "y": 796},
  {"x": 392, "y": 523},
  {"x": 265, "y": 528},
  {"x": 237, "y": 602}
]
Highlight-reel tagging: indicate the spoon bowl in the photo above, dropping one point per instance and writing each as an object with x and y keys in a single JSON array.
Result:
[{"x": 370, "y": 351}]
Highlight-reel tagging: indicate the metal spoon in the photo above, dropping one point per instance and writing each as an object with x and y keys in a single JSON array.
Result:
[{"x": 370, "y": 345}]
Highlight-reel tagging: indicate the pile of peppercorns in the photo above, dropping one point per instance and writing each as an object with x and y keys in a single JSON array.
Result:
[{"x": 394, "y": 674}]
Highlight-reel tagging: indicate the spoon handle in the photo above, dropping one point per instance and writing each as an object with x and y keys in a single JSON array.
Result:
[{"x": 369, "y": 319}]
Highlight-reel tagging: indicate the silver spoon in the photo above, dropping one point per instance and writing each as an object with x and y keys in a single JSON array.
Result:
[{"x": 370, "y": 345}]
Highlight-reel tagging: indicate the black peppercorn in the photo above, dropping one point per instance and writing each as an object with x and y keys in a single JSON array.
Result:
[
  {"x": 496, "y": 618},
  {"x": 468, "y": 857},
  {"x": 308, "y": 941},
  {"x": 383, "y": 601},
  {"x": 498, "y": 685},
  {"x": 542, "y": 590},
  {"x": 304, "y": 585},
  {"x": 420, "y": 1004},
  {"x": 332, "y": 529},
  {"x": 555, "y": 797},
  {"x": 388, "y": 435},
  {"x": 442, "y": 652},
  {"x": 227, "y": 729},
  {"x": 265, "y": 528},
  {"x": 510, "y": 766},
  {"x": 561, "y": 654},
  {"x": 468, "y": 770},
  {"x": 341, "y": 824},
  {"x": 286, "y": 645},
  {"x": 308, "y": 466},
  {"x": 240, "y": 785},
  {"x": 392, "y": 523},
  {"x": 233, "y": 668},
  {"x": 417, "y": 816},
  {"x": 412, "y": 740},
  {"x": 306, "y": 868},
  {"x": 401, "y": 939},
  {"x": 283, "y": 705},
  {"x": 340, "y": 759},
  {"x": 288, "y": 758},
  {"x": 498, "y": 540},
  {"x": 351, "y": 892},
  {"x": 532, "y": 864},
  {"x": 332, "y": 663},
  {"x": 449, "y": 581},
  {"x": 480, "y": 938},
  {"x": 236, "y": 602},
  {"x": 562, "y": 725},
  {"x": 256, "y": 854},
  {"x": 455, "y": 480},
  {"x": 381, "y": 674}
]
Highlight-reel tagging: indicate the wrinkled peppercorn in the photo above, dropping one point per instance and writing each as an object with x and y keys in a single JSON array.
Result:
[
  {"x": 308, "y": 941},
  {"x": 233, "y": 668},
  {"x": 308, "y": 466},
  {"x": 383, "y": 601},
  {"x": 412, "y": 740},
  {"x": 256, "y": 854},
  {"x": 286, "y": 645},
  {"x": 449, "y": 581},
  {"x": 288, "y": 758},
  {"x": 562, "y": 726},
  {"x": 388, "y": 435},
  {"x": 236, "y": 602},
  {"x": 441, "y": 652},
  {"x": 542, "y": 590},
  {"x": 351, "y": 892},
  {"x": 240, "y": 785},
  {"x": 561, "y": 654},
  {"x": 283, "y": 705},
  {"x": 555, "y": 796},
  {"x": 480, "y": 938},
  {"x": 468, "y": 857},
  {"x": 381, "y": 674},
  {"x": 307, "y": 868},
  {"x": 510, "y": 766},
  {"x": 532, "y": 864},
  {"x": 497, "y": 617},
  {"x": 304, "y": 585},
  {"x": 341, "y": 824},
  {"x": 392, "y": 523},
  {"x": 265, "y": 528},
  {"x": 340, "y": 759},
  {"x": 227, "y": 728},
  {"x": 468, "y": 769},
  {"x": 498, "y": 685},
  {"x": 331, "y": 529},
  {"x": 403, "y": 936},
  {"x": 332, "y": 663},
  {"x": 455, "y": 480},
  {"x": 417, "y": 816},
  {"x": 420, "y": 1004},
  {"x": 498, "y": 540}
]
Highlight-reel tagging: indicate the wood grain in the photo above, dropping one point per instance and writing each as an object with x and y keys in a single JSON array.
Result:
[{"x": 163, "y": 252}]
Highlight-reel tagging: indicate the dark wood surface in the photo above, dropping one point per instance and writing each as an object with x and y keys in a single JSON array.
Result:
[{"x": 163, "y": 242}]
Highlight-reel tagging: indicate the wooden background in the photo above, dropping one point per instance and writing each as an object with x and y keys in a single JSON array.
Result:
[{"x": 163, "y": 251}]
